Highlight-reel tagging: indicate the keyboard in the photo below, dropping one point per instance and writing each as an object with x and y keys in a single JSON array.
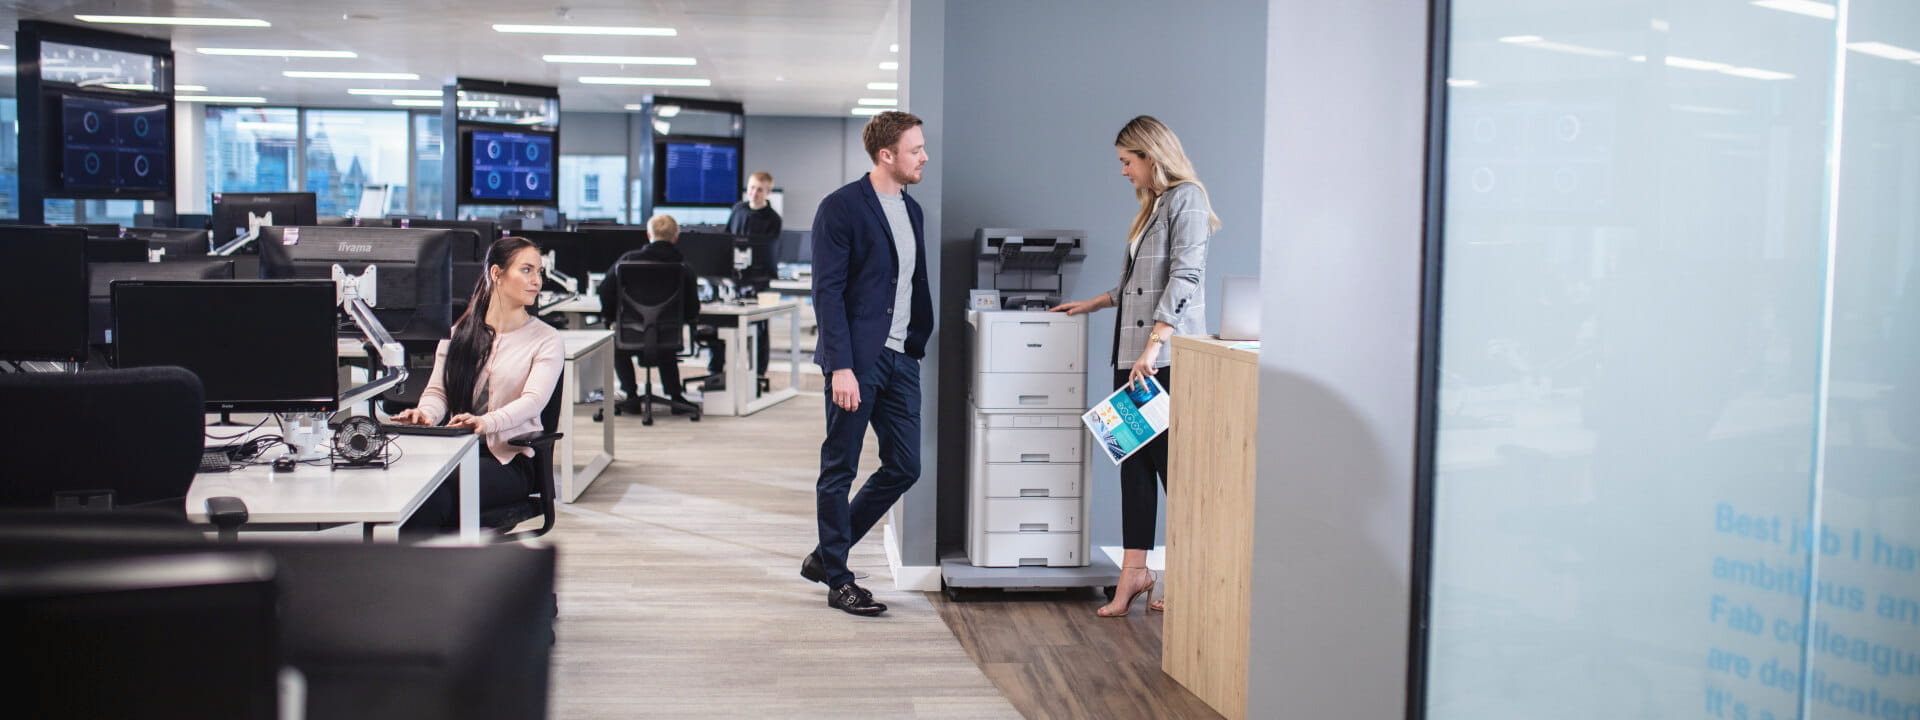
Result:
[
  {"x": 430, "y": 430},
  {"x": 215, "y": 460}
]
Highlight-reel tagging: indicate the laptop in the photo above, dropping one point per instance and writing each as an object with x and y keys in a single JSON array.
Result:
[{"x": 1240, "y": 308}]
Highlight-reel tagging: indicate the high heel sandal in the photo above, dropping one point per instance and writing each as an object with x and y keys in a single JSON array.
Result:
[{"x": 1128, "y": 608}]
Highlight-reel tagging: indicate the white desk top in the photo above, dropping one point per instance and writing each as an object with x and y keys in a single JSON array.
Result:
[
  {"x": 579, "y": 342},
  {"x": 317, "y": 493},
  {"x": 591, "y": 304}
]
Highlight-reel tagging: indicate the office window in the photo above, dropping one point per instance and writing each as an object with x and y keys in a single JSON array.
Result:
[
  {"x": 580, "y": 178},
  {"x": 347, "y": 150},
  {"x": 251, "y": 149},
  {"x": 427, "y": 157}
]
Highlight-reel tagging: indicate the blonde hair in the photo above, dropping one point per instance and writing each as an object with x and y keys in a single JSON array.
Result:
[
  {"x": 663, "y": 227},
  {"x": 761, "y": 175},
  {"x": 1150, "y": 140}
]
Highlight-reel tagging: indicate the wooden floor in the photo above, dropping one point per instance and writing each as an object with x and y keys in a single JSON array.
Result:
[
  {"x": 1054, "y": 659},
  {"x": 679, "y": 592},
  {"x": 679, "y": 597}
]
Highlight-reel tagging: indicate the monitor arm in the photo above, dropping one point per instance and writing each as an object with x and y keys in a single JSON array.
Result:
[
  {"x": 254, "y": 223},
  {"x": 307, "y": 434},
  {"x": 357, "y": 295},
  {"x": 573, "y": 285}
]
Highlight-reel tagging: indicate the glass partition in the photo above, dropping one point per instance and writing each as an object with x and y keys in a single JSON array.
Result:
[
  {"x": 251, "y": 149},
  {"x": 1676, "y": 470},
  {"x": 349, "y": 150}
]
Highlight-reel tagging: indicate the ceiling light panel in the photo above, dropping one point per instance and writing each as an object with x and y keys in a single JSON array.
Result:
[
  {"x": 219, "y": 99},
  {"x": 198, "y": 22},
  {"x": 879, "y": 101},
  {"x": 587, "y": 30},
  {"x": 663, "y": 82},
  {"x": 265, "y": 52},
  {"x": 883, "y": 86},
  {"x": 394, "y": 92},
  {"x": 618, "y": 59},
  {"x": 329, "y": 75}
]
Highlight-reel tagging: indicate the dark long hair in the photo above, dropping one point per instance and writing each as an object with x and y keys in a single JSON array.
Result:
[{"x": 472, "y": 343}]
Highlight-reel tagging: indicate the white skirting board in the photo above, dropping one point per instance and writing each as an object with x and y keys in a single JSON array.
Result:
[
  {"x": 1156, "y": 558},
  {"x": 923, "y": 578}
]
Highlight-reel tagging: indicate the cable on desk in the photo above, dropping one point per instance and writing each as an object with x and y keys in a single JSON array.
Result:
[{"x": 243, "y": 433}]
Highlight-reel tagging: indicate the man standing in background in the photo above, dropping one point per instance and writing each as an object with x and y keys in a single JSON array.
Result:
[
  {"x": 755, "y": 219},
  {"x": 871, "y": 296}
]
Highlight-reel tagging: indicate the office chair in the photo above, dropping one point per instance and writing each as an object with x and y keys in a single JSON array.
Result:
[
  {"x": 649, "y": 323},
  {"x": 101, "y": 439},
  {"x": 540, "y": 497}
]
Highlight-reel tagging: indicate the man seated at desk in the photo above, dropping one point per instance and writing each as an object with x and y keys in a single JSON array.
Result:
[{"x": 664, "y": 233}]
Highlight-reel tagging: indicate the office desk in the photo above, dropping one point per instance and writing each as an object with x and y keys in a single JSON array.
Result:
[
  {"x": 1210, "y": 480},
  {"x": 792, "y": 287},
  {"x": 379, "y": 499},
  {"x": 589, "y": 353},
  {"x": 742, "y": 396}
]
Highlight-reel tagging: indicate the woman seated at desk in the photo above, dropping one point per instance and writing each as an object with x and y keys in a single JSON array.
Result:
[{"x": 494, "y": 376}]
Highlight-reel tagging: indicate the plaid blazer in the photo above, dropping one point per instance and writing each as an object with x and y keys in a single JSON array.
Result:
[{"x": 1164, "y": 278}]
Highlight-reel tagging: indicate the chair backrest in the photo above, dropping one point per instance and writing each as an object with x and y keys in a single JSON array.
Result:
[
  {"x": 550, "y": 415},
  {"x": 651, "y": 315},
  {"x": 137, "y": 432}
]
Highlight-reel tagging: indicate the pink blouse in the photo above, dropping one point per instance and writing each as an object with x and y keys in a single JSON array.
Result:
[{"x": 519, "y": 378}]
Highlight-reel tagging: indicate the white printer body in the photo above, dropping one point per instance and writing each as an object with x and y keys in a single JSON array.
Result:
[{"x": 1027, "y": 450}]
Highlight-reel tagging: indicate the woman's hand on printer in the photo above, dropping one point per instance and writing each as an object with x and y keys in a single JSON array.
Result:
[{"x": 1079, "y": 307}]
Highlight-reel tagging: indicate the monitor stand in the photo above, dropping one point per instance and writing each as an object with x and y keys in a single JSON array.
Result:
[{"x": 226, "y": 420}]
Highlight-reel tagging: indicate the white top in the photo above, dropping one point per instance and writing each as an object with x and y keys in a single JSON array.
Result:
[{"x": 521, "y": 371}]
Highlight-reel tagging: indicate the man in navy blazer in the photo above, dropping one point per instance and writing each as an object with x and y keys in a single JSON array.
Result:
[{"x": 875, "y": 313}]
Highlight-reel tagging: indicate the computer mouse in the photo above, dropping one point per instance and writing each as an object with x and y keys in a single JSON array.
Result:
[{"x": 284, "y": 463}]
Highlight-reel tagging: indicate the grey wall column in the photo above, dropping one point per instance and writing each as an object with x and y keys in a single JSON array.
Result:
[
  {"x": 923, "y": 31},
  {"x": 1341, "y": 277}
]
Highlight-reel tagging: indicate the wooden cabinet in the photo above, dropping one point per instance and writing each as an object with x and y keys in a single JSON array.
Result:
[{"x": 1210, "y": 520}]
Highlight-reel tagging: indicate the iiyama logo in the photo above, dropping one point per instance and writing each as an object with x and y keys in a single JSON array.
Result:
[{"x": 352, "y": 248}]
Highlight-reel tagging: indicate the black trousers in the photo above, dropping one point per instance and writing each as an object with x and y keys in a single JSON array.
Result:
[
  {"x": 1139, "y": 497},
  {"x": 717, "y": 362},
  {"x": 499, "y": 485},
  {"x": 630, "y": 381}
]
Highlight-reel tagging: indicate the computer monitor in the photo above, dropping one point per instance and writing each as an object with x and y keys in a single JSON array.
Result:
[
  {"x": 507, "y": 166},
  {"x": 484, "y": 231},
  {"x": 571, "y": 256},
  {"x": 232, "y": 211},
  {"x": 192, "y": 221},
  {"x": 111, "y": 147},
  {"x": 796, "y": 247},
  {"x": 256, "y": 345},
  {"x": 46, "y": 317},
  {"x": 102, "y": 275},
  {"x": 606, "y": 243},
  {"x": 709, "y": 254},
  {"x": 697, "y": 172},
  {"x": 180, "y": 243},
  {"x": 466, "y": 276},
  {"x": 415, "y": 276},
  {"x": 116, "y": 250},
  {"x": 104, "y": 231}
]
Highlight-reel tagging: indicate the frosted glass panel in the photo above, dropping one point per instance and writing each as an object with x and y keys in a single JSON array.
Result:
[
  {"x": 1865, "y": 634},
  {"x": 1644, "y": 405}
]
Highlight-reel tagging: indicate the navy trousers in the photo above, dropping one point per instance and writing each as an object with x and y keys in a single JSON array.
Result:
[{"x": 890, "y": 402}]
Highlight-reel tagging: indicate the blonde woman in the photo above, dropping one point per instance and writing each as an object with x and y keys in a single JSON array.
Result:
[{"x": 1161, "y": 293}]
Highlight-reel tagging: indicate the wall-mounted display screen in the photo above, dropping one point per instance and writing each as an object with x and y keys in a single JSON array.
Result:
[
  {"x": 114, "y": 146},
  {"x": 510, "y": 166},
  {"x": 698, "y": 173}
]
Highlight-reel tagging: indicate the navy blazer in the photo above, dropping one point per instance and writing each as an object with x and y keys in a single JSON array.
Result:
[{"x": 855, "y": 270}]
